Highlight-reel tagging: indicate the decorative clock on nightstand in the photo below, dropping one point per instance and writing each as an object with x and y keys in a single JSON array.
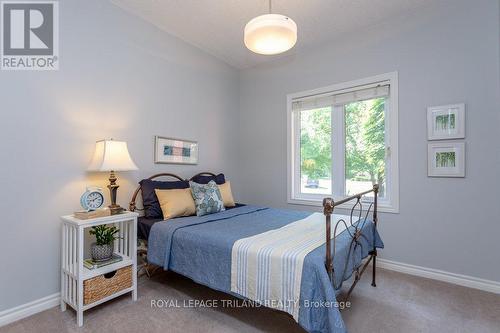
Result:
[{"x": 92, "y": 199}]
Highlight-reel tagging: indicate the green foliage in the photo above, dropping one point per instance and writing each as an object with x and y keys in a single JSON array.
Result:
[
  {"x": 364, "y": 141},
  {"x": 315, "y": 143},
  {"x": 104, "y": 234}
]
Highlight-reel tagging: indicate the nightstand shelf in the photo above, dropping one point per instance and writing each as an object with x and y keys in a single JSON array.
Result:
[
  {"x": 90, "y": 273},
  {"x": 75, "y": 277}
]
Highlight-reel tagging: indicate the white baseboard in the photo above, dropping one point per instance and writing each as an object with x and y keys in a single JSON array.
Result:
[
  {"x": 25, "y": 310},
  {"x": 436, "y": 274}
]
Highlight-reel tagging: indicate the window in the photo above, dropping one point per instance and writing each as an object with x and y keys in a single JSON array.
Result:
[{"x": 342, "y": 140}]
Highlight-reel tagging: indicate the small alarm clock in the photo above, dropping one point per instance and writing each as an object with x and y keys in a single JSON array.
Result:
[{"x": 92, "y": 199}]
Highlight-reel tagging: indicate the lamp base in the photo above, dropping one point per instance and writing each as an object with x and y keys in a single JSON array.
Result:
[
  {"x": 113, "y": 188},
  {"x": 116, "y": 209}
]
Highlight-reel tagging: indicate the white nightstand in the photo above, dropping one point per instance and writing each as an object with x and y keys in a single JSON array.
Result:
[{"x": 77, "y": 280}]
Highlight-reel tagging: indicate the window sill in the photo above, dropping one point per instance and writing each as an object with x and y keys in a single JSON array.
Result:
[{"x": 383, "y": 208}]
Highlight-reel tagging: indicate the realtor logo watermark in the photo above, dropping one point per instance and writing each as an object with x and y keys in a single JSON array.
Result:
[{"x": 29, "y": 35}]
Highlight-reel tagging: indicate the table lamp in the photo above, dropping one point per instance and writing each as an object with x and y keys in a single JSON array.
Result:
[{"x": 112, "y": 156}]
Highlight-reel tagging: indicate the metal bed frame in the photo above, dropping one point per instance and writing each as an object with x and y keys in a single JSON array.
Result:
[
  {"x": 328, "y": 206},
  {"x": 353, "y": 227}
]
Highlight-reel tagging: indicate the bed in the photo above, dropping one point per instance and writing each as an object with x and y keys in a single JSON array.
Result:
[{"x": 216, "y": 251}]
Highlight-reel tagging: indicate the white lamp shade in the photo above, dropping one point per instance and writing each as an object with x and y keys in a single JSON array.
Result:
[
  {"x": 111, "y": 155},
  {"x": 270, "y": 34}
]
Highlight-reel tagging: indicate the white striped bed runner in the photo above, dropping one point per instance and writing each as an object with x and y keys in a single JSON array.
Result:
[{"x": 267, "y": 268}]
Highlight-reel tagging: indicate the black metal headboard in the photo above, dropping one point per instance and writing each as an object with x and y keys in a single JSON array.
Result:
[
  {"x": 132, "y": 205},
  {"x": 202, "y": 174}
]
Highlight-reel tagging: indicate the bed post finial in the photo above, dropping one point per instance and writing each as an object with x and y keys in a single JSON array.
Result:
[{"x": 328, "y": 205}]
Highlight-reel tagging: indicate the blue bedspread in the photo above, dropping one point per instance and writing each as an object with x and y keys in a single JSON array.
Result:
[{"x": 200, "y": 249}]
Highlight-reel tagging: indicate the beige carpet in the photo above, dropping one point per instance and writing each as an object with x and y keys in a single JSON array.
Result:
[{"x": 400, "y": 303}]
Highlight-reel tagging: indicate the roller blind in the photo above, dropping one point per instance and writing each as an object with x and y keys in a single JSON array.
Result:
[{"x": 341, "y": 97}]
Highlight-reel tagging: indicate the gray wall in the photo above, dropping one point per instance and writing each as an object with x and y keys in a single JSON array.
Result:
[
  {"x": 444, "y": 54},
  {"x": 119, "y": 77},
  {"x": 122, "y": 78}
]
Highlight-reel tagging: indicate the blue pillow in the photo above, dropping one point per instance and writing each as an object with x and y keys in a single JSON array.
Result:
[
  {"x": 218, "y": 179},
  {"x": 207, "y": 198},
  {"x": 150, "y": 202}
]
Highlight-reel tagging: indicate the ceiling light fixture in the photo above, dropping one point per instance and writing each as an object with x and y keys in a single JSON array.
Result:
[{"x": 270, "y": 33}]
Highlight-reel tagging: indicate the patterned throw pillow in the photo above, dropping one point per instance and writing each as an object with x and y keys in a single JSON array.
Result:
[{"x": 207, "y": 198}]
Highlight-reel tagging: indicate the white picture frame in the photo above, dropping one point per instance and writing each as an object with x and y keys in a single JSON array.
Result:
[
  {"x": 175, "y": 151},
  {"x": 446, "y": 159},
  {"x": 446, "y": 122}
]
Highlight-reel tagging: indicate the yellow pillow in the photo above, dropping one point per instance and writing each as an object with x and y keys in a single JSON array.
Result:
[
  {"x": 227, "y": 195},
  {"x": 176, "y": 202}
]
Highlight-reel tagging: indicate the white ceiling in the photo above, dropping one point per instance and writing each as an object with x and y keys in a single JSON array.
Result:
[{"x": 216, "y": 26}]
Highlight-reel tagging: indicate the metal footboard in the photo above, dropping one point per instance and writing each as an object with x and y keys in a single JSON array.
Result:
[{"x": 355, "y": 233}]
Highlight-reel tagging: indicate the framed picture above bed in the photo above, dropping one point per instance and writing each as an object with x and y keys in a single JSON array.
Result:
[
  {"x": 175, "y": 151},
  {"x": 446, "y": 159},
  {"x": 446, "y": 122}
]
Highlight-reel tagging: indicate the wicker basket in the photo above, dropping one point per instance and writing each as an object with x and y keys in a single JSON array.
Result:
[{"x": 101, "y": 286}]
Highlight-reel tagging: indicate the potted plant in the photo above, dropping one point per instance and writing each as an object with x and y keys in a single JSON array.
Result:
[{"x": 103, "y": 247}]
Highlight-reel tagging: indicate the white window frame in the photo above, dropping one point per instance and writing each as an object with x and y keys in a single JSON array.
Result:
[{"x": 391, "y": 203}]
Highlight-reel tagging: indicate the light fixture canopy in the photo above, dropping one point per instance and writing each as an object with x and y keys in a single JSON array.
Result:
[{"x": 270, "y": 34}]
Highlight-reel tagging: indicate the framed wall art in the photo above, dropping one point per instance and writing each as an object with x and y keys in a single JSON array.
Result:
[
  {"x": 446, "y": 159},
  {"x": 446, "y": 122},
  {"x": 175, "y": 151}
]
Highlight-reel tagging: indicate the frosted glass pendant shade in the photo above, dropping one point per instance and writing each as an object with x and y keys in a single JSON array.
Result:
[{"x": 270, "y": 34}]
